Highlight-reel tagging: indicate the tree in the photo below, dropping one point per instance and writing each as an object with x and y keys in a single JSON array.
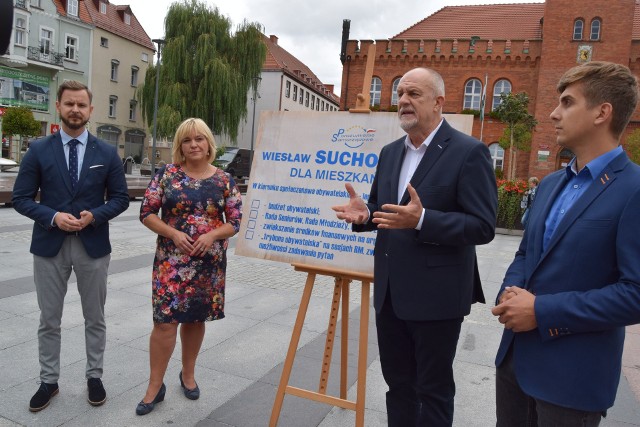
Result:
[
  {"x": 513, "y": 111},
  {"x": 205, "y": 71},
  {"x": 20, "y": 121},
  {"x": 632, "y": 146}
]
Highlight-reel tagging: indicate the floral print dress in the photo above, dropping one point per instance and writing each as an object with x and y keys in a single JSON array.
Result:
[{"x": 190, "y": 289}]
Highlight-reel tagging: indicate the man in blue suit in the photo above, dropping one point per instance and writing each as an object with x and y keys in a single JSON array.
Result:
[
  {"x": 432, "y": 200},
  {"x": 74, "y": 172},
  {"x": 575, "y": 281}
]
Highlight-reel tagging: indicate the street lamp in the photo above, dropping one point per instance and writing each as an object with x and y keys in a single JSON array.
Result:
[
  {"x": 256, "y": 95},
  {"x": 159, "y": 42}
]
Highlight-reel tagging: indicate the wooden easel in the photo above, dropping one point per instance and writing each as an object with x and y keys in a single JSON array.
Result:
[
  {"x": 343, "y": 279},
  {"x": 341, "y": 292}
]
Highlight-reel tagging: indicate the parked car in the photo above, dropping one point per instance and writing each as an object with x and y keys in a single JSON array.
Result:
[{"x": 236, "y": 162}]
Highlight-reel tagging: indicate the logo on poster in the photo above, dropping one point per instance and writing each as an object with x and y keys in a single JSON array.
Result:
[{"x": 354, "y": 137}]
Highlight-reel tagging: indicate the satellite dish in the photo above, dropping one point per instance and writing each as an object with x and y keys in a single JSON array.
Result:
[{"x": 6, "y": 25}]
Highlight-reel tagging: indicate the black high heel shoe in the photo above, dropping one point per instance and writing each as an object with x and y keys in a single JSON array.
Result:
[
  {"x": 193, "y": 393},
  {"x": 145, "y": 408}
]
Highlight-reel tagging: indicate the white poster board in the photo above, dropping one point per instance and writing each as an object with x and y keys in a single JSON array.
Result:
[{"x": 300, "y": 167}]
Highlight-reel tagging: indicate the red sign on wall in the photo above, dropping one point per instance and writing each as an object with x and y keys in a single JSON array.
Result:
[{"x": 54, "y": 128}]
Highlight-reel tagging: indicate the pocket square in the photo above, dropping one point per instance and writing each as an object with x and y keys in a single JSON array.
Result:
[{"x": 95, "y": 166}]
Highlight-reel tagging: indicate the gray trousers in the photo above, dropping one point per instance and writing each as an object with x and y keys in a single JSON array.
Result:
[{"x": 51, "y": 276}]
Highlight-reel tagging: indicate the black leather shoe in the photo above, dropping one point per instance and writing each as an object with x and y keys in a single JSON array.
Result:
[
  {"x": 97, "y": 395},
  {"x": 193, "y": 393},
  {"x": 43, "y": 396},
  {"x": 145, "y": 408}
]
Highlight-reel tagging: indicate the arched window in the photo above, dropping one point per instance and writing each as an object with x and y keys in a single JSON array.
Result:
[
  {"x": 497, "y": 155},
  {"x": 394, "y": 92},
  {"x": 376, "y": 90},
  {"x": 595, "y": 30},
  {"x": 578, "y": 27},
  {"x": 472, "y": 94},
  {"x": 501, "y": 86}
]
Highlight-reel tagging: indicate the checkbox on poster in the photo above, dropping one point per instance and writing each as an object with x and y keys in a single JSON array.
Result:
[
  {"x": 251, "y": 225},
  {"x": 255, "y": 204},
  {"x": 248, "y": 235},
  {"x": 253, "y": 214}
]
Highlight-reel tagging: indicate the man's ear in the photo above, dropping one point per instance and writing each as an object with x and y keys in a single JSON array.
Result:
[{"x": 605, "y": 113}]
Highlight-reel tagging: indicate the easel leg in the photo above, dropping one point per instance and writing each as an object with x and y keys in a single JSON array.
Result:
[
  {"x": 331, "y": 336},
  {"x": 291, "y": 353},
  {"x": 362, "y": 354},
  {"x": 344, "y": 343}
]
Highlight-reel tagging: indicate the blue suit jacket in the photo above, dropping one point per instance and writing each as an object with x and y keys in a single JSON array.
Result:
[
  {"x": 433, "y": 273},
  {"x": 44, "y": 168},
  {"x": 587, "y": 287}
]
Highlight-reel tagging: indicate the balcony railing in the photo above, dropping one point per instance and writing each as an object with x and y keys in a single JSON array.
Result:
[
  {"x": 22, "y": 4},
  {"x": 37, "y": 53}
]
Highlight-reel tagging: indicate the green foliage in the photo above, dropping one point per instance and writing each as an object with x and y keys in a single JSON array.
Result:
[
  {"x": 521, "y": 138},
  {"x": 476, "y": 113},
  {"x": 205, "y": 70},
  {"x": 510, "y": 194},
  {"x": 632, "y": 146},
  {"x": 499, "y": 173},
  {"x": 20, "y": 121},
  {"x": 514, "y": 112}
]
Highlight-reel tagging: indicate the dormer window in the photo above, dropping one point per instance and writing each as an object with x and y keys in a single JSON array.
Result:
[
  {"x": 103, "y": 8},
  {"x": 127, "y": 19},
  {"x": 72, "y": 7}
]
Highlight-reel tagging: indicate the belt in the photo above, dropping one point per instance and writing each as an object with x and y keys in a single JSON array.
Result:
[{"x": 72, "y": 233}]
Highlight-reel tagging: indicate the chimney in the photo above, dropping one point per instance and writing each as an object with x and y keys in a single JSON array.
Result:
[{"x": 274, "y": 39}]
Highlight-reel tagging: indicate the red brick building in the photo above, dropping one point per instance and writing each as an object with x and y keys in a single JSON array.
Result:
[{"x": 513, "y": 47}]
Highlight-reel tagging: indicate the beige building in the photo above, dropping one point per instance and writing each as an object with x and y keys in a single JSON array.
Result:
[{"x": 121, "y": 53}]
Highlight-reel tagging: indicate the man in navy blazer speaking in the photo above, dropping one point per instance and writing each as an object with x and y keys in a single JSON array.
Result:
[
  {"x": 432, "y": 200},
  {"x": 73, "y": 171},
  {"x": 575, "y": 280}
]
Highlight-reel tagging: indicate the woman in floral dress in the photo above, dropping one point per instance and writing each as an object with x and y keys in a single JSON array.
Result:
[{"x": 201, "y": 209}]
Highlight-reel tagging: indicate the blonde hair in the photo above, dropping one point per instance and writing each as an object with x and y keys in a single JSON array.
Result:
[{"x": 187, "y": 128}]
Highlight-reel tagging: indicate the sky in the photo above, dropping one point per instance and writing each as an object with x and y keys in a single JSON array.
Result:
[{"x": 312, "y": 30}]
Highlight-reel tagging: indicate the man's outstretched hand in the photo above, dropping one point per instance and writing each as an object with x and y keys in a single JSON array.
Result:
[
  {"x": 354, "y": 212},
  {"x": 398, "y": 216}
]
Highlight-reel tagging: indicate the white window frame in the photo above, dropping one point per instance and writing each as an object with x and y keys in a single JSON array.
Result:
[
  {"x": 144, "y": 57},
  {"x": 72, "y": 7},
  {"x": 578, "y": 32},
  {"x": 134, "y": 76},
  {"x": 295, "y": 93},
  {"x": 394, "y": 91},
  {"x": 595, "y": 29},
  {"x": 375, "y": 91},
  {"x": 301, "y": 99},
  {"x": 497, "y": 156},
  {"x": 104, "y": 42},
  {"x": 115, "y": 64},
  {"x": 472, "y": 94},
  {"x": 103, "y": 8},
  {"x": 133, "y": 104},
  {"x": 500, "y": 87},
  {"x": 287, "y": 89},
  {"x": 313, "y": 102},
  {"x": 20, "y": 36},
  {"x": 113, "y": 105},
  {"x": 127, "y": 18},
  {"x": 74, "y": 47},
  {"x": 49, "y": 50}
]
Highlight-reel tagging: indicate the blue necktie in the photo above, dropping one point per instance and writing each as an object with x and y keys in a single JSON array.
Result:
[{"x": 73, "y": 162}]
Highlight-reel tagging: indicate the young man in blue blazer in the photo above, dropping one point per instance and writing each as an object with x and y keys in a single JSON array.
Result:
[
  {"x": 74, "y": 172},
  {"x": 432, "y": 200},
  {"x": 575, "y": 281}
]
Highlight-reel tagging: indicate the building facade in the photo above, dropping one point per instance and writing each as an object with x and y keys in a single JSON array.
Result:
[
  {"x": 50, "y": 43},
  {"x": 285, "y": 84},
  {"x": 502, "y": 48},
  {"x": 121, "y": 53}
]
